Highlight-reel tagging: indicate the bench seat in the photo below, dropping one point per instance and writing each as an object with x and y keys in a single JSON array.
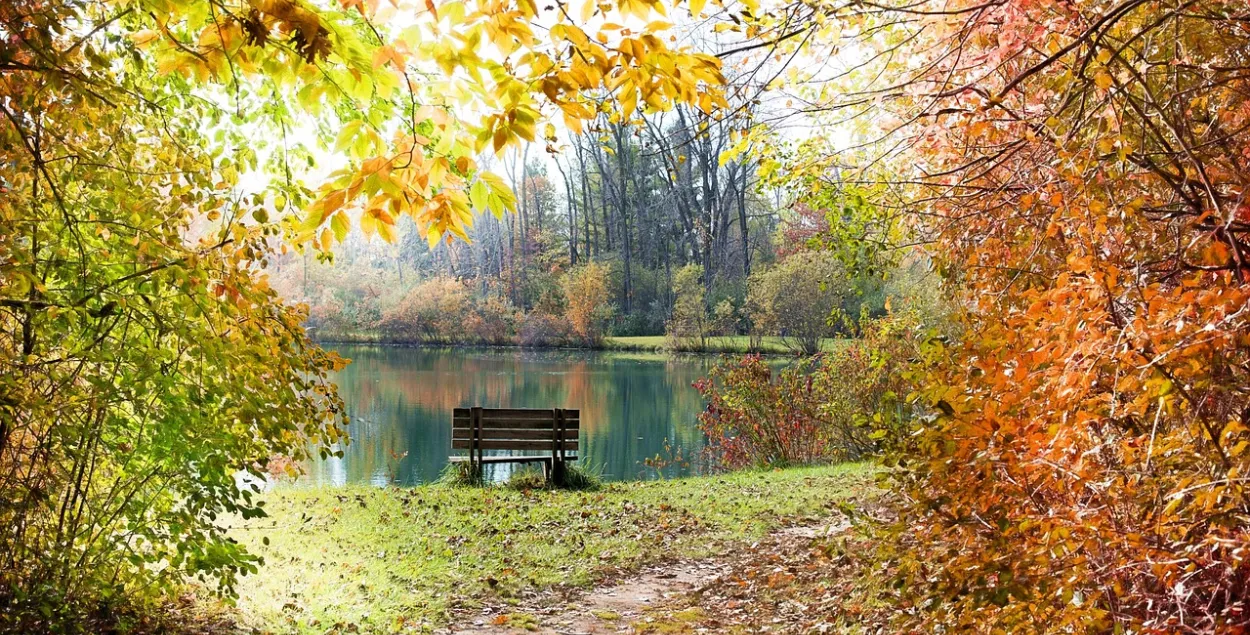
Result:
[
  {"x": 477, "y": 430},
  {"x": 507, "y": 459}
]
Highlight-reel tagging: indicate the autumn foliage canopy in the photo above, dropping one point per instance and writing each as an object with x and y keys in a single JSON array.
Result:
[
  {"x": 153, "y": 158},
  {"x": 1080, "y": 169},
  {"x": 1076, "y": 170}
]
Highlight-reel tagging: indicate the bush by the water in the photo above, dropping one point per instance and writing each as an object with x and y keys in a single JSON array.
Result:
[
  {"x": 830, "y": 407},
  {"x": 542, "y": 329}
]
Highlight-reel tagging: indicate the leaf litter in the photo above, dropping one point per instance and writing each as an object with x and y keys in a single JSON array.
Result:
[{"x": 798, "y": 579}]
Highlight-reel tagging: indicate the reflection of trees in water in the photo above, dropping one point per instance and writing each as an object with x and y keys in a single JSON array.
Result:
[{"x": 401, "y": 402}]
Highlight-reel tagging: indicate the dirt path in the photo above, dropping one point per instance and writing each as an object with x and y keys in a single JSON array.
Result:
[{"x": 626, "y": 606}]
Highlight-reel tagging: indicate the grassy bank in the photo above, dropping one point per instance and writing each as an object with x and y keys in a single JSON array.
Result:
[
  {"x": 741, "y": 344},
  {"x": 382, "y": 560},
  {"x": 728, "y": 344}
]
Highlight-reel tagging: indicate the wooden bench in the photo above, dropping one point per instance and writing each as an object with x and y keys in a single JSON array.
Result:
[{"x": 516, "y": 429}]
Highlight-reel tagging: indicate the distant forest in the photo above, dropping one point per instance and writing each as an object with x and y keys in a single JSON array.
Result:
[{"x": 645, "y": 202}]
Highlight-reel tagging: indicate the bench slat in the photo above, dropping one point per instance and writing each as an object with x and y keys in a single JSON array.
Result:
[
  {"x": 514, "y": 413},
  {"x": 545, "y": 458},
  {"x": 496, "y": 444},
  {"x": 488, "y": 422},
  {"x": 508, "y": 433}
]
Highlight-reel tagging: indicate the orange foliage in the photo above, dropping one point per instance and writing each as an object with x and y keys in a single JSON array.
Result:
[
  {"x": 1086, "y": 469},
  {"x": 587, "y": 304}
]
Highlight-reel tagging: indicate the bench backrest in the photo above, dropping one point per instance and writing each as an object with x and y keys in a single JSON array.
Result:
[{"x": 514, "y": 429}]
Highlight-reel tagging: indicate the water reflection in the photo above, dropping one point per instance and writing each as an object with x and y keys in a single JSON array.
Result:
[{"x": 400, "y": 401}]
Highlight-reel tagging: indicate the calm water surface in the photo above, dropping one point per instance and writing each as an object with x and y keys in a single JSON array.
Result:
[{"x": 400, "y": 401}]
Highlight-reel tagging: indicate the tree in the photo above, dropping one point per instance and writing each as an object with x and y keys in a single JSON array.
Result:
[
  {"x": 689, "y": 318},
  {"x": 1079, "y": 169},
  {"x": 800, "y": 299},
  {"x": 586, "y": 300},
  {"x": 145, "y": 363}
]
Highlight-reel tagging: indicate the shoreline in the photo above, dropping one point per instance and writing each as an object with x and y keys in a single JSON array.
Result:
[{"x": 772, "y": 346}]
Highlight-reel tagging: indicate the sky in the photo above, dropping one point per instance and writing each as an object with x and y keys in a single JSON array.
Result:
[{"x": 780, "y": 108}]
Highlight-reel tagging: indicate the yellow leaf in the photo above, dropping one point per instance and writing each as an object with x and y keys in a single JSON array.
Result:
[
  {"x": 1103, "y": 79},
  {"x": 368, "y": 224},
  {"x": 386, "y": 230},
  {"x": 479, "y": 195},
  {"x": 340, "y": 225}
]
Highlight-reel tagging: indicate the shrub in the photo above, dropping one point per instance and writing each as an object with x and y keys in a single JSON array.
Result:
[
  {"x": 799, "y": 299},
  {"x": 836, "y": 406},
  {"x": 433, "y": 311},
  {"x": 541, "y": 329},
  {"x": 459, "y": 474},
  {"x": 586, "y": 300},
  {"x": 527, "y": 478},
  {"x": 755, "y": 418},
  {"x": 124, "y": 427},
  {"x": 344, "y": 300},
  {"x": 862, "y": 387},
  {"x": 724, "y": 319},
  {"x": 493, "y": 321},
  {"x": 571, "y": 477},
  {"x": 583, "y": 477},
  {"x": 635, "y": 324}
]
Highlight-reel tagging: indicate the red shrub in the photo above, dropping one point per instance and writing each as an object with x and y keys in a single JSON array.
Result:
[
  {"x": 542, "y": 329},
  {"x": 839, "y": 406},
  {"x": 752, "y": 419}
]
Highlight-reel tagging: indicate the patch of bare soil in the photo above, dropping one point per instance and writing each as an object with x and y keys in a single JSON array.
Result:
[
  {"x": 607, "y": 609},
  {"x": 802, "y": 580},
  {"x": 736, "y": 592}
]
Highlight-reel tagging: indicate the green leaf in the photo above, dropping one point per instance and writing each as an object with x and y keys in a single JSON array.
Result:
[
  {"x": 341, "y": 225},
  {"x": 479, "y": 195},
  {"x": 347, "y": 136}
]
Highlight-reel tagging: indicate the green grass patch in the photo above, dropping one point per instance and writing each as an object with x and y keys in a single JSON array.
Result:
[
  {"x": 459, "y": 474},
  {"x": 726, "y": 344},
  {"x": 575, "y": 478},
  {"x": 386, "y": 559},
  {"x": 680, "y": 622},
  {"x": 527, "y": 478}
]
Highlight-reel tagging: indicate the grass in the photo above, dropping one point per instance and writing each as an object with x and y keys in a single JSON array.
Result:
[
  {"x": 388, "y": 559},
  {"x": 726, "y": 344},
  {"x": 458, "y": 474},
  {"x": 576, "y": 478},
  {"x": 677, "y": 623}
]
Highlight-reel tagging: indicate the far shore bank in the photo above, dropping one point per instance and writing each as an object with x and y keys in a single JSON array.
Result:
[{"x": 731, "y": 344}]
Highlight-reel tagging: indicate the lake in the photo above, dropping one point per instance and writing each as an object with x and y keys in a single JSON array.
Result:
[{"x": 634, "y": 406}]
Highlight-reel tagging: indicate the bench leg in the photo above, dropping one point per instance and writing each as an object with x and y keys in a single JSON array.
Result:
[{"x": 557, "y": 471}]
